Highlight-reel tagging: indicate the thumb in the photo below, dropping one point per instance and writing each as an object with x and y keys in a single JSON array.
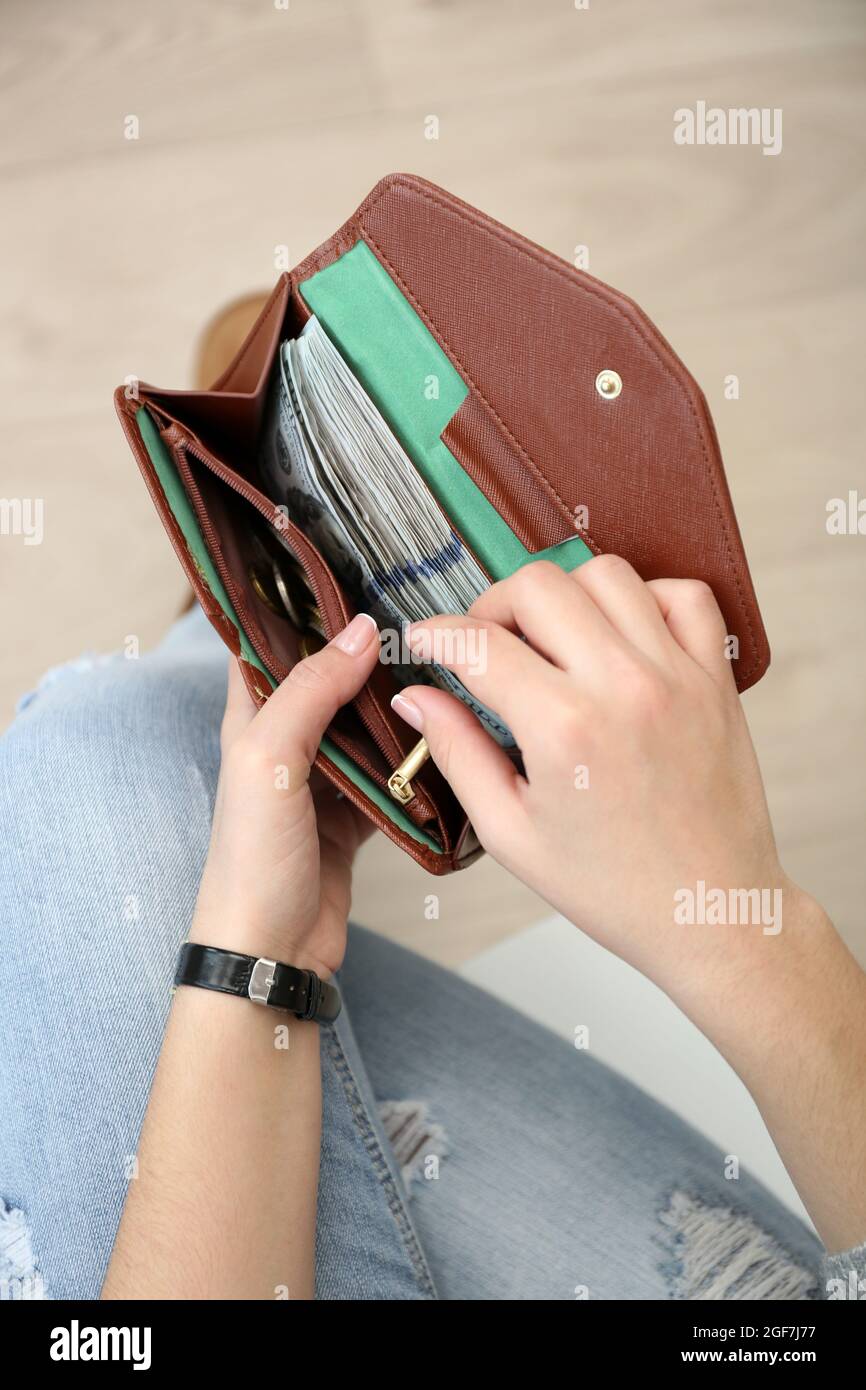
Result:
[
  {"x": 296, "y": 715},
  {"x": 240, "y": 710},
  {"x": 480, "y": 774}
]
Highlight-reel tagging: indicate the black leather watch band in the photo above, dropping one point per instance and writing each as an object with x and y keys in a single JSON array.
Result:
[{"x": 265, "y": 981}]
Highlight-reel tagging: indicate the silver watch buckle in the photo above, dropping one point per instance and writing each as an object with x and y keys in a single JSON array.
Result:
[{"x": 261, "y": 980}]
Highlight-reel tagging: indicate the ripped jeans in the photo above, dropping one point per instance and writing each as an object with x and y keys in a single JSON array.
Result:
[{"x": 467, "y": 1153}]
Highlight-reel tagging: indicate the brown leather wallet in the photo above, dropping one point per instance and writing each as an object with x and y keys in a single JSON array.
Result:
[{"x": 576, "y": 420}]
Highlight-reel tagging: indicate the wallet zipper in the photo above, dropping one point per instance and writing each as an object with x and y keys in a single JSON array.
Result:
[
  {"x": 251, "y": 495},
  {"x": 177, "y": 438},
  {"x": 375, "y": 773},
  {"x": 208, "y": 530}
]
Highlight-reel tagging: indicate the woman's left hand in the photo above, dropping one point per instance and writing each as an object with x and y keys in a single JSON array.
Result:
[{"x": 277, "y": 881}]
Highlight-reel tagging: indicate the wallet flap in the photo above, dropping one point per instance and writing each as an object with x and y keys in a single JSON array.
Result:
[{"x": 530, "y": 335}]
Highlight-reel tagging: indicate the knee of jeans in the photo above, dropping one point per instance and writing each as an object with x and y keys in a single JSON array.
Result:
[
  {"x": 160, "y": 697},
  {"x": 99, "y": 728}
]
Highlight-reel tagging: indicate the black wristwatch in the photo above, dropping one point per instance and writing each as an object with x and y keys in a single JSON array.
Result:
[{"x": 299, "y": 992}]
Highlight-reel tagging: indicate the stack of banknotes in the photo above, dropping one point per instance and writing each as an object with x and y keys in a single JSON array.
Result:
[{"x": 329, "y": 457}]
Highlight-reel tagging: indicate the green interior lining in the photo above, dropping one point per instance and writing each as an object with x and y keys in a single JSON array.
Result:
[
  {"x": 187, "y": 520},
  {"x": 395, "y": 356}
]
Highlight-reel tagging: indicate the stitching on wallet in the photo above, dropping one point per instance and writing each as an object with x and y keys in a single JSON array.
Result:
[
  {"x": 564, "y": 273},
  {"x": 419, "y": 307},
  {"x": 339, "y": 243},
  {"x": 461, "y": 452},
  {"x": 380, "y": 1165}
]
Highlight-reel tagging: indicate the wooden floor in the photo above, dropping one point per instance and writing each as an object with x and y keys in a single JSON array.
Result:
[{"x": 260, "y": 128}]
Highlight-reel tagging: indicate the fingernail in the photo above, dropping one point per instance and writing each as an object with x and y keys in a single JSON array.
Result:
[
  {"x": 355, "y": 638},
  {"x": 409, "y": 711}
]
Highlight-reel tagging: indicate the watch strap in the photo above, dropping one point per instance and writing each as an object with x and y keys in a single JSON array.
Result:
[{"x": 260, "y": 979}]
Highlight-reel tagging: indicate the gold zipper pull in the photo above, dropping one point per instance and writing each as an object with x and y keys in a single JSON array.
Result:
[{"x": 400, "y": 781}]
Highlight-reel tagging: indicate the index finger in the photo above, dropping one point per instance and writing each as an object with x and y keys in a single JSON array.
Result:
[{"x": 494, "y": 665}]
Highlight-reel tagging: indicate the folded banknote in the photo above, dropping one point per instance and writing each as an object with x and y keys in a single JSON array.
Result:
[{"x": 330, "y": 458}]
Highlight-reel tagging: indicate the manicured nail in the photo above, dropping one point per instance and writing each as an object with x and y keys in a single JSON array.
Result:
[
  {"x": 408, "y": 710},
  {"x": 355, "y": 638}
]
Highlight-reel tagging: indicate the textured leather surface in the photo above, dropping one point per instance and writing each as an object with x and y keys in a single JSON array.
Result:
[
  {"x": 529, "y": 334},
  {"x": 494, "y": 461}
]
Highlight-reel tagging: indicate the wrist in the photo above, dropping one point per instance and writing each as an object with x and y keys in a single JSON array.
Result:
[
  {"x": 794, "y": 1029},
  {"x": 764, "y": 987},
  {"x": 247, "y": 939}
]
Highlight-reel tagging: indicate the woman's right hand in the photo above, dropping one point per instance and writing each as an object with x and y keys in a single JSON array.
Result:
[
  {"x": 642, "y": 795},
  {"x": 641, "y": 779}
]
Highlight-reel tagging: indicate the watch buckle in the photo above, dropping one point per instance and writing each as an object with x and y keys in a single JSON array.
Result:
[{"x": 261, "y": 980}]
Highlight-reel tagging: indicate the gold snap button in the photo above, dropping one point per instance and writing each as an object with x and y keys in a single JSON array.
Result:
[{"x": 608, "y": 384}]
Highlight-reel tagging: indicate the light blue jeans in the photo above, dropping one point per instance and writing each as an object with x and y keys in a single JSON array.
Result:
[{"x": 467, "y": 1153}]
